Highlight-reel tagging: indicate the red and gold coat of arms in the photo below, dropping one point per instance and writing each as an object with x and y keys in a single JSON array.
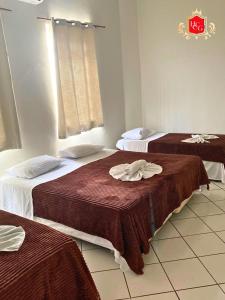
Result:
[{"x": 197, "y": 27}]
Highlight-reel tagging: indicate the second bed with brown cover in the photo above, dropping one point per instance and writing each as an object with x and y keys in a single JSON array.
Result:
[{"x": 125, "y": 213}]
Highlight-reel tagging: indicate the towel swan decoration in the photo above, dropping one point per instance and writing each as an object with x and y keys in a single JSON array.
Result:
[{"x": 135, "y": 171}]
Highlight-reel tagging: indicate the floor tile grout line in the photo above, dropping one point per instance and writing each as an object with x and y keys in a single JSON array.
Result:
[
  {"x": 213, "y": 200},
  {"x": 192, "y": 234},
  {"x": 114, "y": 269},
  {"x": 165, "y": 273},
  {"x": 107, "y": 270},
  {"x": 200, "y": 260},
  {"x": 183, "y": 238},
  {"x": 127, "y": 284},
  {"x": 218, "y": 205},
  {"x": 202, "y": 263},
  {"x": 219, "y": 236},
  {"x": 216, "y": 181},
  {"x": 178, "y": 290},
  {"x": 155, "y": 294},
  {"x": 198, "y": 287},
  {"x": 202, "y": 220},
  {"x": 191, "y": 288},
  {"x": 222, "y": 211},
  {"x": 221, "y": 287},
  {"x": 219, "y": 230},
  {"x": 213, "y": 231}
]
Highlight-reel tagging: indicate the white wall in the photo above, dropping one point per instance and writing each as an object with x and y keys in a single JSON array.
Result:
[
  {"x": 28, "y": 53},
  {"x": 131, "y": 63},
  {"x": 183, "y": 82}
]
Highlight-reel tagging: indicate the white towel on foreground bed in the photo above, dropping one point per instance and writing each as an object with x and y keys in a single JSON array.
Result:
[
  {"x": 135, "y": 171},
  {"x": 11, "y": 238},
  {"x": 200, "y": 138}
]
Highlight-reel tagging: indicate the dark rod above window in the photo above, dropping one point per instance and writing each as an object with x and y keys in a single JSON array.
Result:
[
  {"x": 71, "y": 21},
  {"x": 5, "y": 9}
]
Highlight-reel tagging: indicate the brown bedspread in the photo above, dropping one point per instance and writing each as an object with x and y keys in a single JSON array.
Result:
[
  {"x": 172, "y": 144},
  {"x": 125, "y": 213},
  {"x": 48, "y": 266}
]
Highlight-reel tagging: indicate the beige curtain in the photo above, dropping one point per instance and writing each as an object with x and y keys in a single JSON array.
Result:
[
  {"x": 79, "y": 93},
  {"x": 9, "y": 129}
]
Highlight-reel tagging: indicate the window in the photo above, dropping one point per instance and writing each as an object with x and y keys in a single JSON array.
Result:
[
  {"x": 79, "y": 99},
  {"x": 9, "y": 129}
]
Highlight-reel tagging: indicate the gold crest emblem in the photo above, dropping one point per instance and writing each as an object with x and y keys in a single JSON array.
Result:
[{"x": 197, "y": 27}]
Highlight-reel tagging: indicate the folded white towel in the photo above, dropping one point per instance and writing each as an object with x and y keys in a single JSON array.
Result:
[
  {"x": 135, "y": 171},
  {"x": 137, "y": 165},
  {"x": 209, "y": 136},
  {"x": 196, "y": 138},
  {"x": 200, "y": 138},
  {"x": 11, "y": 238}
]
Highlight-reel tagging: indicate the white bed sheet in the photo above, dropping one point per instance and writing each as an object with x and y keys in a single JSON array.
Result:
[
  {"x": 215, "y": 170},
  {"x": 138, "y": 145},
  {"x": 16, "y": 193}
]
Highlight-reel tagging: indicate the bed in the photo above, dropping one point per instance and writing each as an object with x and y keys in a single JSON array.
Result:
[
  {"x": 48, "y": 266},
  {"x": 121, "y": 216},
  {"x": 212, "y": 154}
]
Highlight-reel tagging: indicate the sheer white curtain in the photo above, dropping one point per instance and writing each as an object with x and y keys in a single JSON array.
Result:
[
  {"x": 9, "y": 129},
  {"x": 79, "y": 97}
]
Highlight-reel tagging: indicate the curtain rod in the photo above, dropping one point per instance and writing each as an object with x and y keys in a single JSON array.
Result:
[
  {"x": 5, "y": 9},
  {"x": 71, "y": 21}
]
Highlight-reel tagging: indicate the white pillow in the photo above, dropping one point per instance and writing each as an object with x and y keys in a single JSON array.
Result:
[
  {"x": 137, "y": 134},
  {"x": 79, "y": 151},
  {"x": 34, "y": 167}
]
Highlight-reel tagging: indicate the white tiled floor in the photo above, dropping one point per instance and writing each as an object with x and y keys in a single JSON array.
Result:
[
  {"x": 190, "y": 226},
  {"x": 220, "y": 204},
  {"x": 206, "y": 209},
  {"x": 206, "y": 293},
  {"x": 164, "y": 249},
  {"x": 186, "y": 261},
  {"x": 205, "y": 244},
  {"x": 215, "y": 195},
  {"x": 188, "y": 273},
  {"x": 216, "y": 223},
  {"x": 165, "y": 296},
  {"x": 216, "y": 266}
]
